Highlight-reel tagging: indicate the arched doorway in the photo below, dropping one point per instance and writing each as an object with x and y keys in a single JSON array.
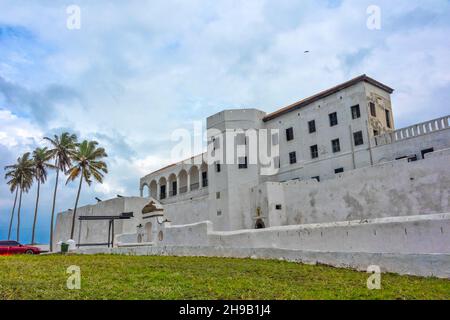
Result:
[
  {"x": 148, "y": 232},
  {"x": 260, "y": 224}
]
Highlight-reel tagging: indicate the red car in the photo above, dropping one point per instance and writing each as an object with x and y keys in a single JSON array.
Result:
[{"x": 13, "y": 247}]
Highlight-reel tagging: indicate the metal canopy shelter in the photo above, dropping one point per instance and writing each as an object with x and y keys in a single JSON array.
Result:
[{"x": 110, "y": 219}]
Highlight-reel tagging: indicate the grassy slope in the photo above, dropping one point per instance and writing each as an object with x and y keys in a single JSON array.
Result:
[{"x": 146, "y": 277}]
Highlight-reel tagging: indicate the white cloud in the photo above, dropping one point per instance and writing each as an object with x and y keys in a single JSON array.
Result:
[{"x": 17, "y": 132}]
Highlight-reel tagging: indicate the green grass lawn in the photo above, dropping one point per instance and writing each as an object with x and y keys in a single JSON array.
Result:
[{"x": 149, "y": 277}]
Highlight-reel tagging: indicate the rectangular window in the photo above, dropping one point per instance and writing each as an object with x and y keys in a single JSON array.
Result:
[
  {"x": 278, "y": 207},
  {"x": 219, "y": 212},
  {"x": 335, "y": 145},
  {"x": 312, "y": 126},
  {"x": 292, "y": 158},
  {"x": 218, "y": 168},
  {"x": 290, "y": 134},
  {"x": 375, "y": 133},
  {"x": 316, "y": 178},
  {"x": 340, "y": 170},
  {"x": 358, "y": 138},
  {"x": 217, "y": 195},
  {"x": 275, "y": 139},
  {"x": 333, "y": 119},
  {"x": 388, "y": 118},
  {"x": 243, "y": 163},
  {"x": 373, "y": 111},
  {"x": 356, "y": 113},
  {"x": 314, "y": 152}
]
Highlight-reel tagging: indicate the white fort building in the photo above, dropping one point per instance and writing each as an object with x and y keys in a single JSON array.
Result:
[{"x": 327, "y": 179}]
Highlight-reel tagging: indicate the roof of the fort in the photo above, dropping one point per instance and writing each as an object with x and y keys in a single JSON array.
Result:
[
  {"x": 299, "y": 104},
  {"x": 174, "y": 164}
]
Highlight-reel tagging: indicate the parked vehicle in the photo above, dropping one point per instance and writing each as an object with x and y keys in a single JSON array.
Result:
[{"x": 14, "y": 247}]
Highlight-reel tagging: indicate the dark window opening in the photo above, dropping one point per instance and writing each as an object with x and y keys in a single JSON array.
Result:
[
  {"x": 373, "y": 111},
  {"x": 339, "y": 170},
  {"x": 163, "y": 192},
  {"x": 333, "y": 119},
  {"x": 276, "y": 161},
  {"x": 243, "y": 163},
  {"x": 388, "y": 118},
  {"x": 290, "y": 134},
  {"x": 204, "y": 179},
  {"x": 358, "y": 138},
  {"x": 375, "y": 133},
  {"x": 293, "y": 157},
  {"x": 314, "y": 152},
  {"x": 174, "y": 188},
  {"x": 424, "y": 152},
  {"x": 218, "y": 168},
  {"x": 356, "y": 113},
  {"x": 336, "y": 145},
  {"x": 312, "y": 126},
  {"x": 278, "y": 207}
]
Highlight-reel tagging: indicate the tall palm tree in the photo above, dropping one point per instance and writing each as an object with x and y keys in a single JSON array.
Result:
[
  {"x": 62, "y": 148},
  {"x": 41, "y": 166},
  {"x": 87, "y": 158},
  {"x": 13, "y": 184},
  {"x": 24, "y": 173}
]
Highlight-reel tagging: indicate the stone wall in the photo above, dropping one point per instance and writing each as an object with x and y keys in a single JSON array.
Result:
[{"x": 398, "y": 188}]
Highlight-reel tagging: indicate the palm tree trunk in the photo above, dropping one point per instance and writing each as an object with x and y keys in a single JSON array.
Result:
[
  {"x": 12, "y": 214},
  {"x": 18, "y": 216},
  {"x": 75, "y": 209},
  {"x": 53, "y": 207},
  {"x": 35, "y": 211}
]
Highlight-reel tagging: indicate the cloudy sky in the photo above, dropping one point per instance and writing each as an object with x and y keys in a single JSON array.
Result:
[{"x": 136, "y": 71}]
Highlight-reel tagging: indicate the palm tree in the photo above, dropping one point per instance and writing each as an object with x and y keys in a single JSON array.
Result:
[
  {"x": 87, "y": 158},
  {"x": 13, "y": 183},
  {"x": 23, "y": 172},
  {"x": 40, "y": 158},
  {"x": 62, "y": 148}
]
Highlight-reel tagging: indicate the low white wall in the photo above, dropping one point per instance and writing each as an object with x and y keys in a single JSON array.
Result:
[
  {"x": 406, "y": 235},
  {"x": 391, "y": 189}
]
